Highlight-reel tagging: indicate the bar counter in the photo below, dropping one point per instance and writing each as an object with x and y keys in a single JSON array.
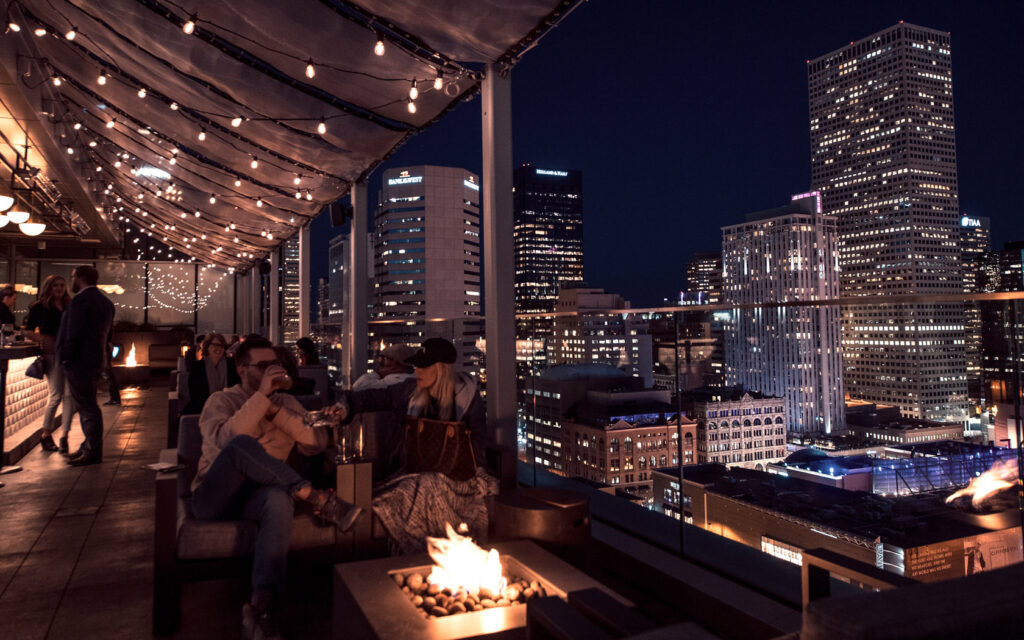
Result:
[{"x": 23, "y": 399}]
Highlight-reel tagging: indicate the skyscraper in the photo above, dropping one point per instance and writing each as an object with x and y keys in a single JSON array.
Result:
[
  {"x": 427, "y": 258},
  {"x": 1001, "y": 271},
  {"x": 336, "y": 279},
  {"x": 975, "y": 241},
  {"x": 323, "y": 301},
  {"x": 883, "y": 156},
  {"x": 548, "y": 235},
  {"x": 704, "y": 279},
  {"x": 290, "y": 289},
  {"x": 787, "y": 254}
]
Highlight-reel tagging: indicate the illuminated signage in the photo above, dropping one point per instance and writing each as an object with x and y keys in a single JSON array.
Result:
[
  {"x": 405, "y": 180},
  {"x": 471, "y": 185},
  {"x": 548, "y": 172},
  {"x": 969, "y": 222},
  {"x": 810, "y": 194}
]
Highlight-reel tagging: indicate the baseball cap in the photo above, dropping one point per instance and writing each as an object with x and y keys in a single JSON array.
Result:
[
  {"x": 434, "y": 350},
  {"x": 398, "y": 352}
]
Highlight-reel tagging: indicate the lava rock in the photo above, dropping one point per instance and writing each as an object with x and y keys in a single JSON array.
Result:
[
  {"x": 511, "y": 594},
  {"x": 399, "y": 579},
  {"x": 487, "y": 603},
  {"x": 433, "y": 590},
  {"x": 528, "y": 593},
  {"x": 438, "y": 612},
  {"x": 414, "y": 582},
  {"x": 456, "y": 607},
  {"x": 417, "y": 601}
]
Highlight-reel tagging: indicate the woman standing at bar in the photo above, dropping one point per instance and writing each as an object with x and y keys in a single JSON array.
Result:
[{"x": 44, "y": 320}]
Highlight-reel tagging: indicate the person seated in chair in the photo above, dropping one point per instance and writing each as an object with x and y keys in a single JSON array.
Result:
[
  {"x": 412, "y": 506},
  {"x": 210, "y": 374},
  {"x": 305, "y": 350},
  {"x": 248, "y": 431}
]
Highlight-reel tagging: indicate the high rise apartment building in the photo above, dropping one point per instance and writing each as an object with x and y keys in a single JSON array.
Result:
[
  {"x": 336, "y": 279},
  {"x": 427, "y": 258},
  {"x": 704, "y": 279},
  {"x": 548, "y": 234},
  {"x": 975, "y": 241},
  {"x": 883, "y": 156},
  {"x": 1001, "y": 271},
  {"x": 323, "y": 300},
  {"x": 787, "y": 254}
]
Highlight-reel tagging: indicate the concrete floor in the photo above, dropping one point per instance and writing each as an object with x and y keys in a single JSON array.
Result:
[{"x": 76, "y": 545}]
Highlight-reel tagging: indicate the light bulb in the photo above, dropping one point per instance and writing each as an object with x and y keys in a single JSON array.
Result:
[
  {"x": 270, "y": 236},
  {"x": 321, "y": 128},
  {"x": 174, "y": 106},
  {"x": 259, "y": 202},
  {"x": 173, "y": 160},
  {"x": 117, "y": 163},
  {"x": 40, "y": 32},
  {"x": 102, "y": 79},
  {"x": 298, "y": 195},
  {"x": 439, "y": 80},
  {"x": 232, "y": 225},
  {"x": 56, "y": 81},
  {"x": 310, "y": 69},
  {"x": 213, "y": 199},
  {"x": 70, "y": 35},
  {"x": 190, "y": 25},
  {"x": 78, "y": 126},
  {"x": 379, "y": 47},
  {"x": 92, "y": 144},
  {"x": 110, "y": 124},
  {"x": 413, "y": 91},
  {"x": 263, "y": 233},
  {"x": 71, "y": 151},
  {"x": 199, "y": 215},
  {"x": 202, "y": 135},
  {"x": 412, "y": 107},
  {"x": 297, "y": 179},
  {"x": 309, "y": 195},
  {"x": 142, "y": 92},
  {"x": 236, "y": 121},
  {"x": 238, "y": 182},
  {"x": 14, "y": 26},
  {"x": 255, "y": 163}
]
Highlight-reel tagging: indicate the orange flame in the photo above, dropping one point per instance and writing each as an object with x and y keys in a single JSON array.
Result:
[
  {"x": 130, "y": 360},
  {"x": 1001, "y": 476},
  {"x": 462, "y": 565}
]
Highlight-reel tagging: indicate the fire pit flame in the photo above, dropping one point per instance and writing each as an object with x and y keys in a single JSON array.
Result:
[
  {"x": 461, "y": 565},
  {"x": 1002, "y": 475},
  {"x": 130, "y": 360}
]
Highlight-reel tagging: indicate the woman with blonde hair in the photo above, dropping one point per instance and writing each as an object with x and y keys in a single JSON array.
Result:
[
  {"x": 432, "y": 489},
  {"x": 44, "y": 321}
]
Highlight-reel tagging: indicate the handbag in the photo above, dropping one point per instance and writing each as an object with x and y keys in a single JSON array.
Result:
[
  {"x": 37, "y": 369},
  {"x": 439, "y": 446}
]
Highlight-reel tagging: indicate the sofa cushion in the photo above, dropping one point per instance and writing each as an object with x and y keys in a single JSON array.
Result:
[{"x": 206, "y": 539}]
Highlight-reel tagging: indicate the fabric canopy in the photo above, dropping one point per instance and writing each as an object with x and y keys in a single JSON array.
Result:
[{"x": 224, "y": 126}]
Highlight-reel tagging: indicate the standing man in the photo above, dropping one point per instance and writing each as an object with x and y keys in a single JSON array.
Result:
[
  {"x": 85, "y": 331},
  {"x": 8, "y": 296}
]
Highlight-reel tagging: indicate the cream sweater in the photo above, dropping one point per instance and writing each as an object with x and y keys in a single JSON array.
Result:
[{"x": 233, "y": 412}]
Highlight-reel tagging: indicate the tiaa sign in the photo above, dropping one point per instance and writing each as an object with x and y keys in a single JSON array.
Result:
[{"x": 969, "y": 222}]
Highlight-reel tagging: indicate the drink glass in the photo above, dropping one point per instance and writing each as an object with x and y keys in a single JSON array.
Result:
[
  {"x": 318, "y": 419},
  {"x": 349, "y": 441}
]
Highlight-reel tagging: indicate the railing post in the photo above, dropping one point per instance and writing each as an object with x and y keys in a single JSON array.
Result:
[
  {"x": 304, "y": 284},
  {"x": 499, "y": 323},
  {"x": 274, "y": 295},
  {"x": 355, "y": 345}
]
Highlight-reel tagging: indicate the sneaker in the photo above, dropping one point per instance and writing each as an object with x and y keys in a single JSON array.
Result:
[
  {"x": 338, "y": 512},
  {"x": 258, "y": 624},
  {"x": 63, "y": 448}
]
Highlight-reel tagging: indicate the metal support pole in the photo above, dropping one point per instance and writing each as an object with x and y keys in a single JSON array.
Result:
[
  {"x": 274, "y": 297},
  {"x": 499, "y": 325},
  {"x": 355, "y": 350},
  {"x": 679, "y": 437},
  {"x": 304, "y": 284}
]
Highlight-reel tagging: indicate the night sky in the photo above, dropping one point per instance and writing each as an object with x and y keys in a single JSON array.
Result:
[{"x": 684, "y": 117}]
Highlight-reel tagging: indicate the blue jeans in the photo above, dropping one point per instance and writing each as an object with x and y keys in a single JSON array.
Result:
[
  {"x": 246, "y": 482},
  {"x": 60, "y": 394}
]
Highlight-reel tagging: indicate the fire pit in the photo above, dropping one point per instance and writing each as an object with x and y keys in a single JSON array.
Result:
[
  {"x": 378, "y": 598},
  {"x": 990, "y": 500}
]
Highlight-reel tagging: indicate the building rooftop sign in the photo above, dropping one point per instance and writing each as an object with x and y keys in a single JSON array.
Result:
[
  {"x": 967, "y": 221},
  {"x": 549, "y": 172},
  {"x": 404, "y": 180}
]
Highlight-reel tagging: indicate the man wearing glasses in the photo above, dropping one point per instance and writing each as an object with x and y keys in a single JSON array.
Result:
[{"x": 248, "y": 431}]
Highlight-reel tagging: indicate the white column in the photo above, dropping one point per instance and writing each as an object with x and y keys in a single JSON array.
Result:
[
  {"x": 355, "y": 281},
  {"x": 499, "y": 324},
  {"x": 255, "y": 303},
  {"x": 305, "y": 288},
  {"x": 274, "y": 298}
]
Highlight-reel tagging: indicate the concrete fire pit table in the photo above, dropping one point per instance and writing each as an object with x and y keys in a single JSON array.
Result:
[{"x": 368, "y": 603}]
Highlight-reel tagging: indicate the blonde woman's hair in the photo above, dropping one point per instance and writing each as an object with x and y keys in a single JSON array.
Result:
[
  {"x": 442, "y": 391},
  {"x": 47, "y": 296}
]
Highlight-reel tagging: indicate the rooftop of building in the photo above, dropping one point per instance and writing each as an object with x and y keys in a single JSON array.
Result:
[
  {"x": 722, "y": 394},
  {"x": 565, "y": 372},
  {"x": 800, "y": 206},
  {"x": 906, "y": 522}
]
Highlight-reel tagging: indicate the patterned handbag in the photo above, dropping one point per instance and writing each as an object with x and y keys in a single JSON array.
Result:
[{"x": 440, "y": 447}]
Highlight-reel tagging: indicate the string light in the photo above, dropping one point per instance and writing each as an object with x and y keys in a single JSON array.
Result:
[
  {"x": 213, "y": 199},
  {"x": 238, "y": 182},
  {"x": 40, "y": 32},
  {"x": 439, "y": 80},
  {"x": 71, "y": 33},
  {"x": 14, "y": 26},
  {"x": 259, "y": 202},
  {"x": 71, "y": 151},
  {"x": 298, "y": 195},
  {"x": 255, "y": 163},
  {"x": 198, "y": 214},
  {"x": 310, "y": 69},
  {"x": 297, "y": 179},
  {"x": 202, "y": 135},
  {"x": 190, "y": 26},
  {"x": 142, "y": 92},
  {"x": 309, "y": 195},
  {"x": 56, "y": 81},
  {"x": 411, "y": 106},
  {"x": 102, "y": 79},
  {"x": 110, "y": 124},
  {"x": 78, "y": 126},
  {"x": 236, "y": 121},
  {"x": 379, "y": 47},
  {"x": 174, "y": 106},
  {"x": 413, "y": 91},
  {"x": 321, "y": 128}
]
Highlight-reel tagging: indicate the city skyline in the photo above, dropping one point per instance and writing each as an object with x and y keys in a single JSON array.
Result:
[{"x": 700, "y": 136}]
